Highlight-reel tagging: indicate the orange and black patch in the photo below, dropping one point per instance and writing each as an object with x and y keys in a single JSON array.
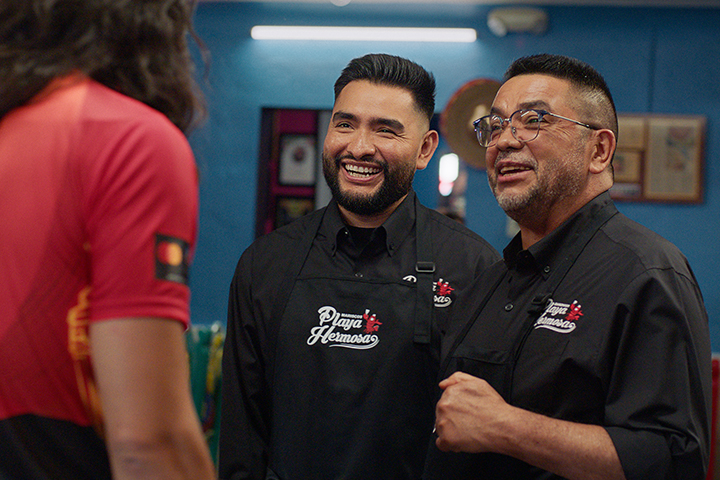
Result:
[{"x": 171, "y": 259}]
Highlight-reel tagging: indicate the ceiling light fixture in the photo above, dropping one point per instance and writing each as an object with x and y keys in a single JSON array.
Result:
[{"x": 368, "y": 34}]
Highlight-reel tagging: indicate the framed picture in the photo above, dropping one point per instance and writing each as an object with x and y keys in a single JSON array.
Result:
[
  {"x": 659, "y": 158},
  {"x": 627, "y": 166},
  {"x": 288, "y": 209},
  {"x": 632, "y": 132},
  {"x": 297, "y": 163},
  {"x": 674, "y": 161}
]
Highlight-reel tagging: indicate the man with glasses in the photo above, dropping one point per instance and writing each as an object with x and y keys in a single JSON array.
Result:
[{"x": 585, "y": 354}]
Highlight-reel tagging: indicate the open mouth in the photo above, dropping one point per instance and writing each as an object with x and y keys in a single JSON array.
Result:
[
  {"x": 511, "y": 169},
  {"x": 358, "y": 171}
]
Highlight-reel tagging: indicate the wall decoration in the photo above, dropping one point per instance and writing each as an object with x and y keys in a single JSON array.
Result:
[
  {"x": 291, "y": 208},
  {"x": 659, "y": 158},
  {"x": 287, "y": 167},
  {"x": 297, "y": 160},
  {"x": 627, "y": 166},
  {"x": 674, "y": 164}
]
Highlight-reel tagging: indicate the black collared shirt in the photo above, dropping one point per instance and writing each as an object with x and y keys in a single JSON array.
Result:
[
  {"x": 623, "y": 343},
  {"x": 388, "y": 254}
]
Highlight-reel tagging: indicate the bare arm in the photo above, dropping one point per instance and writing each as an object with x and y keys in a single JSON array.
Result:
[
  {"x": 151, "y": 426},
  {"x": 473, "y": 417}
]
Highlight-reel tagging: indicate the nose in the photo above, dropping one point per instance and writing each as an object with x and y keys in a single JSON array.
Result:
[
  {"x": 361, "y": 144},
  {"x": 507, "y": 137}
]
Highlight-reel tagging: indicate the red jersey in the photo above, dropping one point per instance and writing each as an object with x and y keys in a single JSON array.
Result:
[{"x": 98, "y": 207}]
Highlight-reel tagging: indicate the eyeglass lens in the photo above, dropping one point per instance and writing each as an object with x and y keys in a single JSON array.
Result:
[{"x": 524, "y": 125}]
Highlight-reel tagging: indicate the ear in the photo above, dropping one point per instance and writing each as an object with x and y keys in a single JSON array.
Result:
[
  {"x": 602, "y": 150},
  {"x": 427, "y": 149}
]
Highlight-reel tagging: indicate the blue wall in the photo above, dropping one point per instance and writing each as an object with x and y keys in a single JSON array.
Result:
[{"x": 655, "y": 60}]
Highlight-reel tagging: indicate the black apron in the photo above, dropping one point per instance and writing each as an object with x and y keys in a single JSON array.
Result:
[{"x": 354, "y": 373}]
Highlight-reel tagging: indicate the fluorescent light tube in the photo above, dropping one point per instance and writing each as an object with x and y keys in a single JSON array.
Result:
[{"x": 369, "y": 34}]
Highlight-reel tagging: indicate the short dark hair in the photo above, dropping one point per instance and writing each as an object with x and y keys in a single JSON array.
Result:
[
  {"x": 395, "y": 71},
  {"x": 598, "y": 106},
  {"x": 137, "y": 47}
]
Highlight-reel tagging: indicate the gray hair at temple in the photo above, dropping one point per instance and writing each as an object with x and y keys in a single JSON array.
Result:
[{"x": 594, "y": 102}]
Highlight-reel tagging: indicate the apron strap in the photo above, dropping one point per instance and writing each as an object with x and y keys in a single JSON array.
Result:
[
  {"x": 424, "y": 268},
  {"x": 296, "y": 264}
]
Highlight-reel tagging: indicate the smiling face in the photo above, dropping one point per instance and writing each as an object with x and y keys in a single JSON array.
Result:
[
  {"x": 543, "y": 180},
  {"x": 376, "y": 140}
]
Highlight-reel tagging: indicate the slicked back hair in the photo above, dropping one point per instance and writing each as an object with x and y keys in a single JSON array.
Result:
[{"x": 394, "y": 71}]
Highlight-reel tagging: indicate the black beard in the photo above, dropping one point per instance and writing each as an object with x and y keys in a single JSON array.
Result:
[{"x": 396, "y": 184}]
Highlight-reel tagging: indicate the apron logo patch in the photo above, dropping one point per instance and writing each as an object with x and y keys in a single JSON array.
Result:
[
  {"x": 345, "y": 330},
  {"x": 442, "y": 291},
  {"x": 560, "y": 317}
]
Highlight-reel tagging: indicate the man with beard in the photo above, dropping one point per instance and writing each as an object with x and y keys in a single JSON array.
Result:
[
  {"x": 586, "y": 353},
  {"x": 332, "y": 351}
]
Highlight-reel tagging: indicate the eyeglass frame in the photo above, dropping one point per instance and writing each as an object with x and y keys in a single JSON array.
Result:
[{"x": 541, "y": 114}]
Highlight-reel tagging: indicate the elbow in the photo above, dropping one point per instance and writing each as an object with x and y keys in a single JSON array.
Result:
[{"x": 159, "y": 454}]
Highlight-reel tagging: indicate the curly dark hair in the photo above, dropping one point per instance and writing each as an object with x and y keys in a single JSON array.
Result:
[{"x": 136, "y": 47}]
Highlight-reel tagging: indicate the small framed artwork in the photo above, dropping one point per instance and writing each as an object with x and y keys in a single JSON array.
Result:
[
  {"x": 674, "y": 161},
  {"x": 288, "y": 209},
  {"x": 297, "y": 163},
  {"x": 627, "y": 166},
  {"x": 659, "y": 158},
  {"x": 632, "y": 132}
]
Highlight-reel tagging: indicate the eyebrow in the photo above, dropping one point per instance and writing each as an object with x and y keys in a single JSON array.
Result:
[
  {"x": 388, "y": 122},
  {"x": 533, "y": 104}
]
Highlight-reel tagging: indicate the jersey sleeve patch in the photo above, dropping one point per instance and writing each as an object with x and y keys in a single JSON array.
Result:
[{"x": 171, "y": 259}]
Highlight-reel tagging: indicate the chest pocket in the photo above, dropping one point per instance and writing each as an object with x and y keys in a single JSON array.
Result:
[{"x": 493, "y": 366}]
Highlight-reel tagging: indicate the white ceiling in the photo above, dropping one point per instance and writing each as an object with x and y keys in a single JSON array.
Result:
[{"x": 607, "y": 3}]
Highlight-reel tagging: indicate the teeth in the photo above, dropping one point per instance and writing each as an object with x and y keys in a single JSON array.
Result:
[
  {"x": 359, "y": 171},
  {"x": 512, "y": 169}
]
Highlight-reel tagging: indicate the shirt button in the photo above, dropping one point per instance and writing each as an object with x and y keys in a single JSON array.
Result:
[
  {"x": 546, "y": 269},
  {"x": 358, "y": 274},
  {"x": 508, "y": 307}
]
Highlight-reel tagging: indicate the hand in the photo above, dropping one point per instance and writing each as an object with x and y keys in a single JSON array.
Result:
[
  {"x": 467, "y": 414},
  {"x": 472, "y": 417}
]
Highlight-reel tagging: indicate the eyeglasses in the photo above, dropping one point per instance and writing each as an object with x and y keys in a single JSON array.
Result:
[{"x": 524, "y": 125}]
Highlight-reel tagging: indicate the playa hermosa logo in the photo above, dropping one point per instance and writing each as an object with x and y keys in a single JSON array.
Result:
[
  {"x": 560, "y": 317},
  {"x": 345, "y": 330}
]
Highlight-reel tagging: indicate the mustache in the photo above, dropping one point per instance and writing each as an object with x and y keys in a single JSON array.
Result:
[{"x": 515, "y": 157}]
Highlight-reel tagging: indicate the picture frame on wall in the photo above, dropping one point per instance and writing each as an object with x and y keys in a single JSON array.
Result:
[
  {"x": 659, "y": 158},
  {"x": 297, "y": 160},
  {"x": 288, "y": 209},
  {"x": 674, "y": 166},
  {"x": 627, "y": 166}
]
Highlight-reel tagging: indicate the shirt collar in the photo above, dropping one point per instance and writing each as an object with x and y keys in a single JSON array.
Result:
[
  {"x": 397, "y": 226},
  {"x": 546, "y": 253}
]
